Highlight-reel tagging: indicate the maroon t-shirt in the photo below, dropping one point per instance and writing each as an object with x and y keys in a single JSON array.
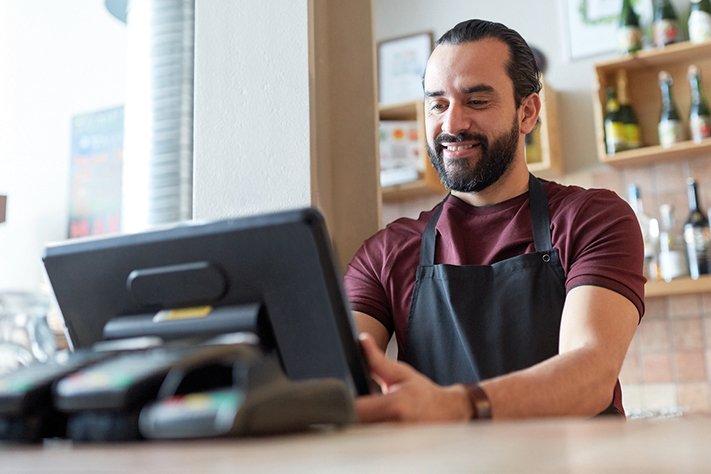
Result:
[{"x": 596, "y": 233}]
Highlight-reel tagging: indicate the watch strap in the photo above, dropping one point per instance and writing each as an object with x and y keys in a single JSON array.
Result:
[{"x": 481, "y": 406}]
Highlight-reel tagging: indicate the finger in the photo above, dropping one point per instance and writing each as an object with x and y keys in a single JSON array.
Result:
[
  {"x": 388, "y": 371},
  {"x": 375, "y": 409}
]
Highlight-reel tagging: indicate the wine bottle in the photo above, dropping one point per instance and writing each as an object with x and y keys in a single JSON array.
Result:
[
  {"x": 650, "y": 233},
  {"x": 697, "y": 234},
  {"x": 700, "y": 115},
  {"x": 630, "y": 124},
  {"x": 670, "y": 128},
  {"x": 614, "y": 129},
  {"x": 666, "y": 24},
  {"x": 700, "y": 21},
  {"x": 672, "y": 254},
  {"x": 629, "y": 34}
]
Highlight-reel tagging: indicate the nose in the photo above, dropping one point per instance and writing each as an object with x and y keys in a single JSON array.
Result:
[{"x": 455, "y": 120}]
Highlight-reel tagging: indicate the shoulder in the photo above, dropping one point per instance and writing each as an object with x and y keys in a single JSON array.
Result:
[
  {"x": 398, "y": 234},
  {"x": 575, "y": 202}
]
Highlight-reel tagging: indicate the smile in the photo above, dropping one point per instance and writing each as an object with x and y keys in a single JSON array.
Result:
[{"x": 457, "y": 148}]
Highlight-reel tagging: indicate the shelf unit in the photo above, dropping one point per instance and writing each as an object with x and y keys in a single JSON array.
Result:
[
  {"x": 642, "y": 69},
  {"x": 678, "y": 286},
  {"x": 550, "y": 164},
  {"x": 428, "y": 182}
]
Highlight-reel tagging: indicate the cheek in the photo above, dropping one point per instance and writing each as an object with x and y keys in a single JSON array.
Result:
[{"x": 432, "y": 129}]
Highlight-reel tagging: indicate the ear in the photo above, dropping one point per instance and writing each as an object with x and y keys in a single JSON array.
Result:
[{"x": 528, "y": 113}]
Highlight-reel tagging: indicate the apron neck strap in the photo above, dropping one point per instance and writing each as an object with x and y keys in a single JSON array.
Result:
[
  {"x": 540, "y": 223},
  {"x": 427, "y": 248}
]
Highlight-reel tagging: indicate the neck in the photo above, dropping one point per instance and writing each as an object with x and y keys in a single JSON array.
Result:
[{"x": 513, "y": 183}]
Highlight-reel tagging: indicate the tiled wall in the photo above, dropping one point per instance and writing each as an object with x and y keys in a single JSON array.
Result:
[{"x": 668, "y": 365}]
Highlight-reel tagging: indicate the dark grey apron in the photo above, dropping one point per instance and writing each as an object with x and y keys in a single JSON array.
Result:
[{"x": 474, "y": 322}]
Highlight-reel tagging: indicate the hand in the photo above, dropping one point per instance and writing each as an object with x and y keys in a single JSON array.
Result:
[{"x": 407, "y": 394}]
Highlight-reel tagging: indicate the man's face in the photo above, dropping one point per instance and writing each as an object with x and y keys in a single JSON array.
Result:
[{"x": 471, "y": 115}]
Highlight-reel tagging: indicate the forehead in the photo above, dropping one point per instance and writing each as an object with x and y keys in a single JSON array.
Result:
[{"x": 468, "y": 64}]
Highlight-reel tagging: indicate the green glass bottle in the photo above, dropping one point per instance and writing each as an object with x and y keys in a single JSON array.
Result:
[
  {"x": 666, "y": 24},
  {"x": 670, "y": 128},
  {"x": 700, "y": 21},
  {"x": 614, "y": 129},
  {"x": 629, "y": 34},
  {"x": 697, "y": 234},
  {"x": 630, "y": 124},
  {"x": 700, "y": 115}
]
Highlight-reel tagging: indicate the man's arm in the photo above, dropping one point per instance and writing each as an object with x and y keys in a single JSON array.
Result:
[
  {"x": 596, "y": 329},
  {"x": 372, "y": 326}
]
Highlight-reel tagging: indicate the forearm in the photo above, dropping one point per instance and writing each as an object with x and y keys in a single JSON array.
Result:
[{"x": 576, "y": 383}]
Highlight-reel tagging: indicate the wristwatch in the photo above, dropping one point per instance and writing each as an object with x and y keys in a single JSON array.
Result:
[{"x": 481, "y": 406}]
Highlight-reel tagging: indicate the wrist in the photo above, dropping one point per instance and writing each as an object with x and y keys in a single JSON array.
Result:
[
  {"x": 479, "y": 402},
  {"x": 461, "y": 405}
]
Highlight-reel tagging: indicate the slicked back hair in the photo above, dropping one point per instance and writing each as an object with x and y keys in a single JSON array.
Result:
[{"x": 521, "y": 66}]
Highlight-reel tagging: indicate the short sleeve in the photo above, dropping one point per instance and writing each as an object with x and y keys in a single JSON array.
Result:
[{"x": 606, "y": 247}]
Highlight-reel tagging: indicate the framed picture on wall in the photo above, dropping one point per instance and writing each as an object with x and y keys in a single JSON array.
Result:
[
  {"x": 401, "y": 64},
  {"x": 591, "y": 27}
]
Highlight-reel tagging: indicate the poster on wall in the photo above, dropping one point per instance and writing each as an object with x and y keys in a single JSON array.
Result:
[
  {"x": 96, "y": 173},
  {"x": 591, "y": 27},
  {"x": 401, "y": 65}
]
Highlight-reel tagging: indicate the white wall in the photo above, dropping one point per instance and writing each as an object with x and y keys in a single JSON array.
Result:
[
  {"x": 541, "y": 23},
  {"x": 57, "y": 59},
  {"x": 251, "y": 123}
]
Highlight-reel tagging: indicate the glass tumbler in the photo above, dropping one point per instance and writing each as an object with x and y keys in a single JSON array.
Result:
[{"x": 25, "y": 336}]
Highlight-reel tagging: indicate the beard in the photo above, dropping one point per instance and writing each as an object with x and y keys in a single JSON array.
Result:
[{"x": 494, "y": 161}]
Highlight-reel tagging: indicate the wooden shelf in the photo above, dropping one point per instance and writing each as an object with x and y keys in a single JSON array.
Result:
[
  {"x": 429, "y": 182},
  {"x": 413, "y": 189},
  {"x": 678, "y": 286},
  {"x": 643, "y": 91},
  {"x": 683, "y": 52},
  {"x": 551, "y": 164},
  {"x": 652, "y": 154}
]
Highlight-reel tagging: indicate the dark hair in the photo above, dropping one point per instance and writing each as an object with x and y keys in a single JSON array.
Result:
[{"x": 521, "y": 67}]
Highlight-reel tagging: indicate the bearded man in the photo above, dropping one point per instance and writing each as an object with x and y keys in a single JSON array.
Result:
[{"x": 515, "y": 297}]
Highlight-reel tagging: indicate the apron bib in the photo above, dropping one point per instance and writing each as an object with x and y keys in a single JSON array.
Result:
[{"x": 474, "y": 322}]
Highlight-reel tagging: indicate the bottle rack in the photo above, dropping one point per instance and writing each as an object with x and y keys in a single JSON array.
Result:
[{"x": 643, "y": 92}]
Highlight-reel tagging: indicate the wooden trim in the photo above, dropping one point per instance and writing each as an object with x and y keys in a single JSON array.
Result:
[
  {"x": 650, "y": 154},
  {"x": 678, "y": 286},
  {"x": 344, "y": 132},
  {"x": 551, "y": 164}
]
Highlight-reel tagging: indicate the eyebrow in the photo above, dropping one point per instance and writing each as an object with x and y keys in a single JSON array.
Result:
[{"x": 466, "y": 90}]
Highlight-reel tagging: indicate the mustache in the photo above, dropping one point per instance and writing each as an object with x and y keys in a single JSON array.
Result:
[{"x": 460, "y": 137}]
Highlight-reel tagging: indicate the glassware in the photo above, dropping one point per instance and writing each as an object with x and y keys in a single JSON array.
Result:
[
  {"x": 629, "y": 34},
  {"x": 630, "y": 124},
  {"x": 25, "y": 336},
  {"x": 670, "y": 128},
  {"x": 700, "y": 114},
  {"x": 614, "y": 128},
  {"x": 650, "y": 234},
  {"x": 697, "y": 234},
  {"x": 666, "y": 24},
  {"x": 700, "y": 21},
  {"x": 672, "y": 253}
]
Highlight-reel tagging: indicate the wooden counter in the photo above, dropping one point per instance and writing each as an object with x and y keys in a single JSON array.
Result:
[{"x": 560, "y": 446}]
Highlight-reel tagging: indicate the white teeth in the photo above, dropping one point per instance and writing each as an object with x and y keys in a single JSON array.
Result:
[{"x": 457, "y": 148}]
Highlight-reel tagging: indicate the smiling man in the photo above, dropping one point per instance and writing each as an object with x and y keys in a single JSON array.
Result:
[{"x": 514, "y": 297}]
